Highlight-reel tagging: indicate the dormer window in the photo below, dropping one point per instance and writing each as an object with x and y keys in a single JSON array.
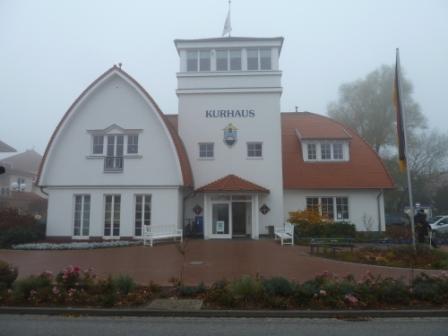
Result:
[
  {"x": 114, "y": 144},
  {"x": 312, "y": 154},
  {"x": 325, "y": 150}
]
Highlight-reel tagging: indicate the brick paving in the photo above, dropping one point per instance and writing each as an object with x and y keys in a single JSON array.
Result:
[{"x": 196, "y": 261}]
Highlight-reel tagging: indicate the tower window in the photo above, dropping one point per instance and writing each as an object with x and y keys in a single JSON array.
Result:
[
  {"x": 252, "y": 59},
  {"x": 192, "y": 60},
  {"x": 235, "y": 59},
  {"x": 222, "y": 60},
  {"x": 204, "y": 60}
]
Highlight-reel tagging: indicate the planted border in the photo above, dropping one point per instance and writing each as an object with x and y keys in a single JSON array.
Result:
[{"x": 82, "y": 288}]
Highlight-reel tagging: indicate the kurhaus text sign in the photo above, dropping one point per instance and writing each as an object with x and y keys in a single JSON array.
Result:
[{"x": 244, "y": 113}]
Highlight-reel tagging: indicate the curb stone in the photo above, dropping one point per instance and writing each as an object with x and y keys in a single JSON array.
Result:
[{"x": 341, "y": 314}]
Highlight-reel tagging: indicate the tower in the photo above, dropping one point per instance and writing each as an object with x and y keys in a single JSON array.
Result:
[{"x": 229, "y": 93}]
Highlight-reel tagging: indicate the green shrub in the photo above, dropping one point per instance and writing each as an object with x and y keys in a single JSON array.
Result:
[
  {"x": 304, "y": 293},
  {"x": 305, "y": 229},
  {"x": 430, "y": 289},
  {"x": 19, "y": 229},
  {"x": 246, "y": 289},
  {"x": 277, "y": 286},
  {"x": 392, "y": 291},
  {"x": 26, "y": 288},
  {"x": 8, "y": 274},
  {"x": 219, "y": 295},
  {"x": 124, "y": 284},
  {"x": 107, "y": 292}
]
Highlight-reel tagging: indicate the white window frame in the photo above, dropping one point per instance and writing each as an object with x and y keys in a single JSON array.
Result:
[
  {"x": 308, "y": 145},
  {"x": 254, "y": 151},
  {"x": 259, "y": 67},
  {"x": 335, "y": 206},
  {"x": 112, "y": 217},
  {"x": 197, "y": 52},
  {"x": 128, "y": 137},
  {"x": 318, "y": 145},
  {"x": 146, "y": 199},
  {"x": 93, "y": 143},
  {"x": 206, "y": 151},
  {"x": 82, "y": 217}
]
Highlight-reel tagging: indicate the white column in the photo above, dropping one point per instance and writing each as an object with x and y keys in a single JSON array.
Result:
[
  {"x": 255, "y": 217},
  {"x": 213, "y": 60},
  {"x": 183, "y": 61},
  {"x": 244, "y": 59},
  {"x": 274, "y": 59},
  {"x": 207, "y": 217}
]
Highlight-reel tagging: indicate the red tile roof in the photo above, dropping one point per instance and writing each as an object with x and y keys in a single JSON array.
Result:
[
  {"x": 232, "y": 183},
  {"x": 182, "y": 154},
  {"x": 365, "y": 170}
]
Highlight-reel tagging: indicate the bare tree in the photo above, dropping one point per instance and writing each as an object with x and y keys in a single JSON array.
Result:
[{"x": 366, "y": 106}]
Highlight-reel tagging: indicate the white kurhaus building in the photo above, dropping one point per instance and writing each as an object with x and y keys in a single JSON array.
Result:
[{"x": 228, "y": 164}]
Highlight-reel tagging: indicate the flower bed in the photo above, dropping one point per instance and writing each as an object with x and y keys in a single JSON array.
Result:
[
  {"x": 75, "y": 287},
  {"x": 75, "y": 245},
  {"x": 398, "y": 256}
]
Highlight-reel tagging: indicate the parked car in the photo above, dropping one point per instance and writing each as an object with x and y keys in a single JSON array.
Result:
[
  {"x": 397, "y": 219},
  {"x": 439, "y": 223}
]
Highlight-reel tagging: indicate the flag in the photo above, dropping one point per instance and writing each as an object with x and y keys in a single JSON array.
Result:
[
  {"x": 397, "y": 100},
  {"x": 227, "y": 25}
]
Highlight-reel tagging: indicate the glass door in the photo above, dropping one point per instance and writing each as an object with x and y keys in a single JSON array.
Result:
[{"x": 221, "y": 227}]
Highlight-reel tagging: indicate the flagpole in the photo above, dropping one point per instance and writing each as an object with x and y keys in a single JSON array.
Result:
[
  {"x": 230, "y": 3},
  {"x": 408, "y": 171}
]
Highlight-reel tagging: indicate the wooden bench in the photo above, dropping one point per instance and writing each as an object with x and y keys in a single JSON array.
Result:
[
  {"x": 155, "y": 232},
  {"x": 285, "y": 234},
  {"x": 332, "y": 243}
]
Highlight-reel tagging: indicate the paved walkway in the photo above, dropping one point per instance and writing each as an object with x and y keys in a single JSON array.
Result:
[{"x": 196, "y": 261}]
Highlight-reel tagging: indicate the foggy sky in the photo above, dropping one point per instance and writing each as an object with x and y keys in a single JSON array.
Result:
[{"x": 50, "y": 51}]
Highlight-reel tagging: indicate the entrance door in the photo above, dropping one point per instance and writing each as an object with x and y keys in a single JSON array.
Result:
[
  {"x": 239, "y": 218},
  {"x": 221, "y": 220}
]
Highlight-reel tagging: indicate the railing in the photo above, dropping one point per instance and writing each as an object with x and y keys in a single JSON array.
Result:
[{"x": 113, "y": 164}]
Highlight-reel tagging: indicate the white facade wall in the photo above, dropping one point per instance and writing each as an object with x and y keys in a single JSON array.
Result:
[
  {"x": 195, "y": 128},
  {"x": 114, "y": 102},
  {"x": 71, "y": 168},
  {"x": 362, "y": 205},
  {"x": 61, "y": 202}
]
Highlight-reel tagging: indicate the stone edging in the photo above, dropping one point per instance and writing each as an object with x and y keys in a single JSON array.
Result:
[{"x": 342, "y": 314}]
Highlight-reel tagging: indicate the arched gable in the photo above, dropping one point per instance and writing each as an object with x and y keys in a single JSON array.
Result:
[{"x": 176, "y": 145}]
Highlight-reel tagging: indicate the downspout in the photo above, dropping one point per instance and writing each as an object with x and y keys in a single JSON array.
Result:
[
  {"x": 378, "y": 202},
  {"x": 42, "y": 191}
]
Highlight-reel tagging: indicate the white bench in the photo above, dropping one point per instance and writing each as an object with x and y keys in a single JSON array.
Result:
[
  {"x": 285, "y": 234},
  {"x": 154, "y": 232}
]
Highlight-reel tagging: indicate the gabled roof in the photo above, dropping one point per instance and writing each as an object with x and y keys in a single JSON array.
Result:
[
  {"x": 26, "y": 162},
  {"x": 365, "y": 170},
  {"x": 187, "y": 174},
  {"x": 5, "y": 148},
  {"x": 232, "y": 183}
]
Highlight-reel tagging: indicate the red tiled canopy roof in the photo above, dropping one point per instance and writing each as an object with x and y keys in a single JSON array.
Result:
[
  {"x": 232, "y": 183},
  {"x": 365, "y": 170}
]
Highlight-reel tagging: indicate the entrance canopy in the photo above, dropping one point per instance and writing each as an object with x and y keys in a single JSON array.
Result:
[{"x": 232, "y": 183}]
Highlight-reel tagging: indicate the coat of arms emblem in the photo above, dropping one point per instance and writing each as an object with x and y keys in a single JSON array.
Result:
[{"x": 230, "y": 134}]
